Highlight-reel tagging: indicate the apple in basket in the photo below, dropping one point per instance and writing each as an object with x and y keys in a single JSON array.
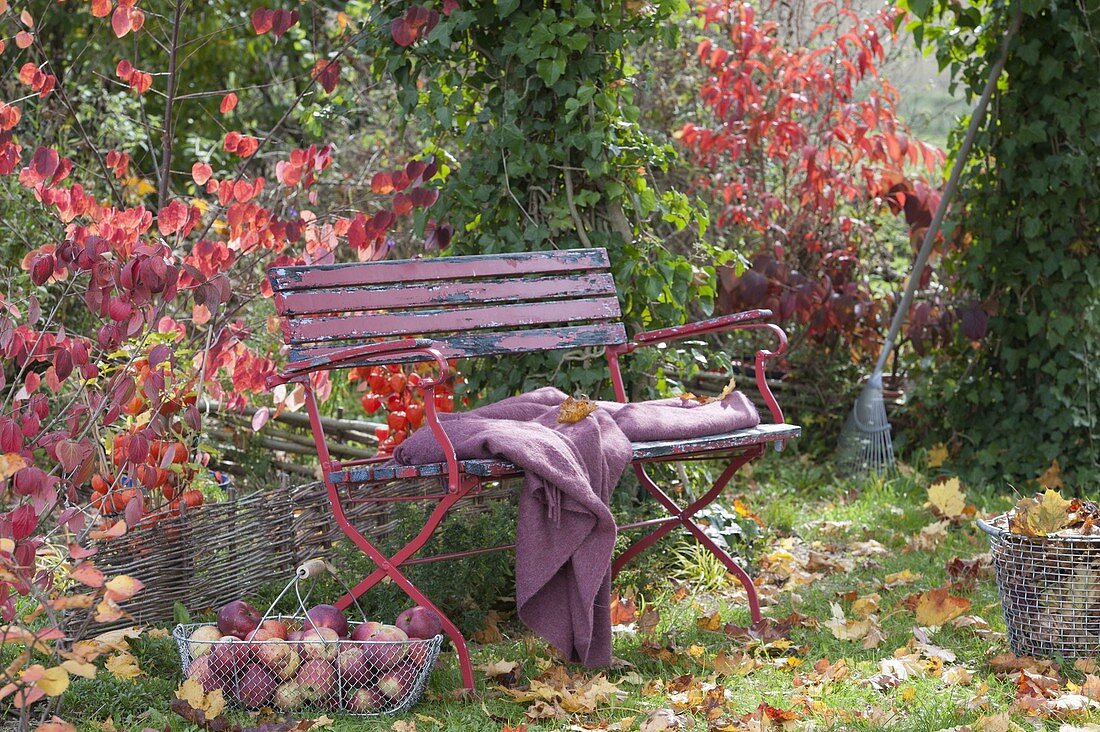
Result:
[
  {"x": 230, "y": 655},
  {"x": 289, "y": 696},
  {"x": 238, "y": 618},
  {"x": 317, "y": 678},
  {"x": 279, "y": 656},
  {"x": 326, "y": 616},
  {"x": 277, "y": 628},
  {"x": 320, "y": 643},
  {"x": 396, "y": 683},
  {"x": 200, "y": 638},
  {"x": 420, "y": 622},
  {"x": 256, "y": 687},
  {"x": 388, "y": 646},
  {"x": 204, "y": 671},
  {"x": 363, "y": 631},
  {"x": 354, "y": 666},
  {"x": 366, "y": 700}
]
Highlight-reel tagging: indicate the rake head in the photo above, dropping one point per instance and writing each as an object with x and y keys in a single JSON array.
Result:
[{"x": 865, "y": 445}]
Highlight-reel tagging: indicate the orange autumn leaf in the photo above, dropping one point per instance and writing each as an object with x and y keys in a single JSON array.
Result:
[
  {"x": 10, "y": 464},
  {"x": 1041, "y": 516},
  {"x": 937, "y": 607},
  {"x": 122, "y": 588},
  {"x": 116, "y": 530},
  {"x": 574, "y": 410},
  {"x": 87, "y": 574},
  {"x": 623, "y": 609}
]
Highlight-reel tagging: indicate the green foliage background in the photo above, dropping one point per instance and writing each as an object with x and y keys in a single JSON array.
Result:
[{"x": 1029, "y": 393}]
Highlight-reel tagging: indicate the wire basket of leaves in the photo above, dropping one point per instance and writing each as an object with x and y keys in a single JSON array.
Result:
[{"x": 1046, "y": 554}]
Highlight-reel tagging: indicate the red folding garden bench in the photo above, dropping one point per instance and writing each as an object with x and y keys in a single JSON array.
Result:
[{"x": 374, "y": 313}]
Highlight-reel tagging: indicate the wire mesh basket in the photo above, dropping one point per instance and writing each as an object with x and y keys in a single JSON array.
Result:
[
  {"x": 1050, "y": 591},
  {"x": 314, "y": 669}
]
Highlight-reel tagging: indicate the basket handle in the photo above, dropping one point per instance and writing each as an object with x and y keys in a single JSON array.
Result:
[{"x": 990, "y": 529}]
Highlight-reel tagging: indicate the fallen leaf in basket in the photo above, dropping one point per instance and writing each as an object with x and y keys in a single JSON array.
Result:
[
  {"x": 212, "y": 704},
  {"x": 937, "y": 607},
  {"x": 124, "y": 666},
  {"x": 947, "y": 499},
  {"x": 1040, "y": 516},
  {"x": 574, "y": 410}
]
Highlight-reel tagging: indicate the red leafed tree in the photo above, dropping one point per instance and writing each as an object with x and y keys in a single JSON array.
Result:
[
  {"x": 801, "y": 148},
  {"x": 140, "y": 274}
]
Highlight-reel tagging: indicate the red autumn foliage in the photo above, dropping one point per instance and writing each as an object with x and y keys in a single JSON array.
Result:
[{"x": 804, "y": 146}]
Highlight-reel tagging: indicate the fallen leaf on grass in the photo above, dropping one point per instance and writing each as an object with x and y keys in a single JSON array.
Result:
[
  {"x": 212, "y": 704},
  {"x": 739, "y": 664},
  {"x": 957, "y": 676},
  {"x": 946, "y": 498},
  {"x": 662, "y": 719},
  {"x": 928, "y": 538},
  {"x": 937, "y": 455},
  {"x": 505, "y": 673},
  {"x": 56, "y": 724},
  {"x": 1009, "y": 662},
  {"x": 1051, "y": 479},
  {"x": 937, "y": 607},
  {"x": 490, "y": 633},
  {"x": 897, "y": 579},
  {"x": 623, "y": 609},
  {"x": 124, "y": 666},
  {"x": 712, "y": 622},
  {"x": 867, "y": 631}
]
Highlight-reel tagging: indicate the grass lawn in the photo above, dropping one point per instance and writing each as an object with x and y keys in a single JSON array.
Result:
[{"x": 844, "y": 570}]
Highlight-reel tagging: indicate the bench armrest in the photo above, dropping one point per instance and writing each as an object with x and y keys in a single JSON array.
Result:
[
  {"x": 735, "y": 321},
  {"x": 342, "y": 357},
  {"x": 700, "y": 327}
]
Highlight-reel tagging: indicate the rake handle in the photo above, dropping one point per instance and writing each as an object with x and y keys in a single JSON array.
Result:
[{"x": 976, "y": 118}]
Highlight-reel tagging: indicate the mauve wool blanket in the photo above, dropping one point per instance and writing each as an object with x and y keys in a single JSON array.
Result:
[{"x": 565, "y": 533}]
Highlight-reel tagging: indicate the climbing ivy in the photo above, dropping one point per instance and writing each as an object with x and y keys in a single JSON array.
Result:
[
  {"x": 529, "y": 106},
  {"x": 1021, "y": 387}
]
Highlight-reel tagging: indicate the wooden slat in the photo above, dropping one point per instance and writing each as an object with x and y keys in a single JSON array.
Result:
[
  {"x": 462, "y": 345},
  {"x": 687, "y": 449},
  {"x": 397, "y": 296},
  {"x": 374, "y": 325},
  {"x": 440, "y": 268}
]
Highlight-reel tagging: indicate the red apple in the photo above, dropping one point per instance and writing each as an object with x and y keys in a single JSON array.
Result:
[
  {"x": 317, "y": 679},
  {"x": 396, "y": 683},
  {"x": 202, "y": 669},
  {"x": 363, "y": 631},
  {"x": 365, "y": 700},
  {"x": 277, "y": 628},
  {"x": 320, "y": 643},
  {"x": 204, "y": 633},
  {"x": 289, "y": 696},
  {"x": 354, "y": 667},
  {"x": 256, "y": 687},
  {"x": 294, "y": 635},
  {"x": 260, "y": 635},
  {"x": 238, "y": 618},
  {"x": 326, "y": 616},
  {"x": 386, "y": 646},
  {"x": 420, "y": 622},
  {"x": 230, "y": 655}
]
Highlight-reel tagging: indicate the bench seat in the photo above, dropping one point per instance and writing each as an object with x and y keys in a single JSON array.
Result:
[{"x": 643, "y": 451}]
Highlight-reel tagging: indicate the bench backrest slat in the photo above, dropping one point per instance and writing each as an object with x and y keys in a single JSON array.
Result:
[
  {"x": 459, "y": 345},
  {"x": 473, "y": 306},
  {"x": 425, "y": 294},
  {"x": 419, "y": 322},
  {"x": 442, "y": 268}
]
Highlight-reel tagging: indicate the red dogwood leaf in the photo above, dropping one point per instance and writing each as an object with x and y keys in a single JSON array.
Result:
[
  {"x": 229, "y": 103},
  {"x": 201, "y": 172},
  {"x": 327, "y": 73}
]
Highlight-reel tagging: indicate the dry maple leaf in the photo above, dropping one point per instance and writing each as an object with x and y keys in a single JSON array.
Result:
[
  {"x": 212, "y": 704},
  {"x": 574, "y": 410},
  {"x": 947, "y": 499},
  {"x": 623, "y": 609},
  {"x": 937, "y": 607},
  {"x": 937, "y": 456},
  {"x": 124, "y": 666},
  {"x": 1051, "y": 479},
  {"x": 1040, "y": 516}
]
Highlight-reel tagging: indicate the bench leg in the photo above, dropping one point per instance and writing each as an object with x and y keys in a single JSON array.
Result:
[
  {"x": 389, "y": 567},
  {"x": 683, "y": 517}
]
